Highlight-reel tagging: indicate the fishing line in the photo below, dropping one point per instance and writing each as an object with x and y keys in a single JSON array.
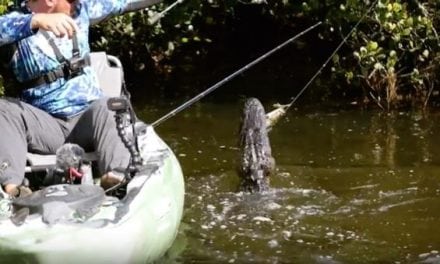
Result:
[
  {"x": 331, "y": 56},
  {"x": 230, "y": 77}
]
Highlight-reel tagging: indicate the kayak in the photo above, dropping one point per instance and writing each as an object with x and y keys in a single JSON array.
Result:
[
  {"x": 84, "y": 225},
  {"x": 79, "y": 222}
]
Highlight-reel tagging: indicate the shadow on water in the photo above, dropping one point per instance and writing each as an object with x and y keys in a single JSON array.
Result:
[{"x": 350, "y": 187}]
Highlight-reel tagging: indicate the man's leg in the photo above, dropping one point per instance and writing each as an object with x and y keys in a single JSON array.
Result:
[
  {"x": 24, "y": 127},
  {"x": 96, "y": 130}
]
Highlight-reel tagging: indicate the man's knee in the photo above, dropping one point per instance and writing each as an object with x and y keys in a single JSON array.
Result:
[
  {"x": 100, "y": 106},
  {"x": 10, "y": 107},
  {"x": 100, "y": 115}
]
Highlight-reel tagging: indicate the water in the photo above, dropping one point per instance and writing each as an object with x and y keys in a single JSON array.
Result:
[{"x": 350, "y": 187}]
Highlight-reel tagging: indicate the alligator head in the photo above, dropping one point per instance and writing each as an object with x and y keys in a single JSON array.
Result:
[{"x": 256, "y": 161}]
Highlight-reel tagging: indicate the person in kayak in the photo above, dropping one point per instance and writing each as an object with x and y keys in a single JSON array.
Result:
[{"x": 46, "y": 47}]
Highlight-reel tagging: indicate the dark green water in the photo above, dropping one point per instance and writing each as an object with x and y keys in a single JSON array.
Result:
[{"x": 350, "y": 187}]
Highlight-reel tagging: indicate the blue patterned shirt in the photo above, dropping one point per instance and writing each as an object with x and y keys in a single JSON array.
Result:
[{"x": 34, "y": 57}]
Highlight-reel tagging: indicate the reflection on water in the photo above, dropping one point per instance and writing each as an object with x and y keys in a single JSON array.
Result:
[{"x": 350, "y": 187}]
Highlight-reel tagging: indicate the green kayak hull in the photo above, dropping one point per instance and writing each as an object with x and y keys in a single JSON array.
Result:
[{"x": 136, "y": 229}]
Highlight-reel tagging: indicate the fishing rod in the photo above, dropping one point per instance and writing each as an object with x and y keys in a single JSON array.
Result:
[
  {"x": 158, "y": 16},
  {"x": 230, "y": 77}
]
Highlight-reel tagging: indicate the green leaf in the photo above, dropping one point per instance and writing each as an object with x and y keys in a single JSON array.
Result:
[
  {"x": 397, "y": 7},
  {"x": 372, "y": 46}
]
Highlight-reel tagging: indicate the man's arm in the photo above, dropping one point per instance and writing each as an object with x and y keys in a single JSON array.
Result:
[
  {"x": 15, "y": 26},
  {"x": 58, "y": 23},
  {"x": 99, "y": 10}
]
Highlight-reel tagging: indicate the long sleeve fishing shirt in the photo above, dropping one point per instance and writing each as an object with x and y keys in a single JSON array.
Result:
[{"x": 34, "y": 56}]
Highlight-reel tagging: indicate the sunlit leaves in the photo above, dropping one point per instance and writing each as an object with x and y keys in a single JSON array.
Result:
[{"x": 396, "y": 38}]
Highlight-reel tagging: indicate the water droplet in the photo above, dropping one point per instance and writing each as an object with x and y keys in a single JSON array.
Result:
[{"x": 273, "y": 243}]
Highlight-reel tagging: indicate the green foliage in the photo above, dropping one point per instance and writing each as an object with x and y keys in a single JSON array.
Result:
[
  {"x": 391, "y": 58},
  {"x": 394, "y": 52},
  {"x": 137, "y": 38},
  {"x": 4, "y": 4}
]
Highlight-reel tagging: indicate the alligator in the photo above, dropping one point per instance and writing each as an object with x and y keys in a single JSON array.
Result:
[{"x": 256, "y": 162}]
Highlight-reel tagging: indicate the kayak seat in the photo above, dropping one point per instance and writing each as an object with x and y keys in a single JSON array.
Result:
[
  {"x": 111, "y": 78},
  {"x": 109, "y": 71}
]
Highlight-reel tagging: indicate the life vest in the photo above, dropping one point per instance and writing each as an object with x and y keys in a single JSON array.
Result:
[{"x": 68, "y": 68}]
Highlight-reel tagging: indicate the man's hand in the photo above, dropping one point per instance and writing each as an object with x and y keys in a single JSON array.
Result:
[{"x": 58, "y": 23}]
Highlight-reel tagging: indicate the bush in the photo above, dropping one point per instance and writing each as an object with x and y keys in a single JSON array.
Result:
[
  {"x": 393, "y": 55},
  {"x": 391, "y": 59}
]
